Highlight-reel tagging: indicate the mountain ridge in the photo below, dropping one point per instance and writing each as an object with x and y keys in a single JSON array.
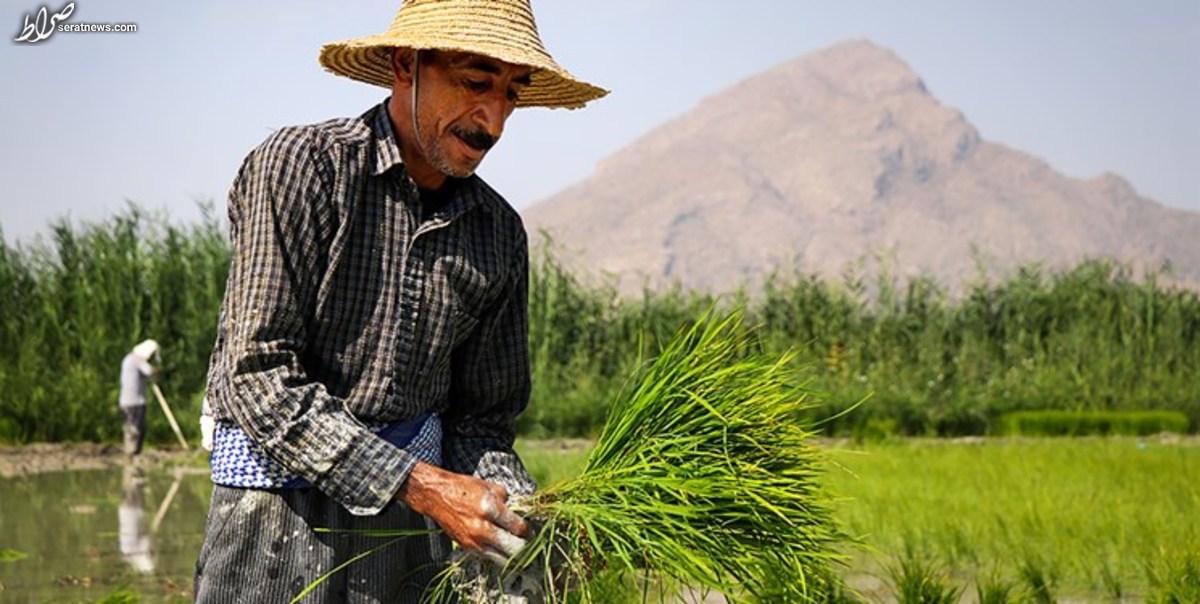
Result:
[{"x": 831, "y": 157}]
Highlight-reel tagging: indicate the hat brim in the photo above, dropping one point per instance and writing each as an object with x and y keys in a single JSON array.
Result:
[{"x": 369, "y": 60}]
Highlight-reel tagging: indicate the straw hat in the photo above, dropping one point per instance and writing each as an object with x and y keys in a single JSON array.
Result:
[
  {"x": 146, "y": 349},
  {"x": 500, "y": 29}
]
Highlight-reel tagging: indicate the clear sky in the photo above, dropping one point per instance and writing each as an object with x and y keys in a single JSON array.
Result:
[{"x": 165, "y": 115}]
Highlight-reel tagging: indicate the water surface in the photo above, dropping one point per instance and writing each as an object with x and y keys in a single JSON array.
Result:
[{"x": 83, "y": 535}]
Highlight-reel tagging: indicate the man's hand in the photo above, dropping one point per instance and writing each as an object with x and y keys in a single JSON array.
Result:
[{"x": 472, "y": 511}]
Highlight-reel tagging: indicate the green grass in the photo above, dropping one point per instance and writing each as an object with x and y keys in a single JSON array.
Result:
[{"x": 1012, "y": 519}]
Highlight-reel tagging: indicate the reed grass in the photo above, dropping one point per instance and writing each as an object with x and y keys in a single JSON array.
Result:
[
  {"x": 928, "y": 361},
  {"x": 74, "y": 303}
]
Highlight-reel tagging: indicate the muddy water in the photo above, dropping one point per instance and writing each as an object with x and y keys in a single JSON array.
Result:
[{"x": 82, "y": 535}]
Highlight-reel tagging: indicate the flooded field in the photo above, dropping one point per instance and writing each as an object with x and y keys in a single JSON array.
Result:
[
  {"x": 1100, "y": 519},
  {"x": 79, "y": 535}
]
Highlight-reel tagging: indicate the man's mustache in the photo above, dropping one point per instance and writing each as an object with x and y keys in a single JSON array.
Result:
[{"x": 476, "y": 138}]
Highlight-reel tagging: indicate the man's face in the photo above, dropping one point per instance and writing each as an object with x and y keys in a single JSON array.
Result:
[{"x": 462, "y": 103}]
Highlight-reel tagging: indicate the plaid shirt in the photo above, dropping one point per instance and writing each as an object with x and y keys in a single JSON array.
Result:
[{"x": 350, "y": 301}]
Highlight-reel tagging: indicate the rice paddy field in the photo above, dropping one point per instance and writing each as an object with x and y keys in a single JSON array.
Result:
[
  {"x": 914, "y": 387},
  {"x": 1003, "y": 520},
  {"x": 1023, "y": 520}
]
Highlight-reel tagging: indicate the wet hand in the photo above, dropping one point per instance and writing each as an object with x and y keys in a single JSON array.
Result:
[{"x": 472, "y": 511}]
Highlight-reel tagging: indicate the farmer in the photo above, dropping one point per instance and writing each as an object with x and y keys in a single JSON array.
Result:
[
  {"x": 371, "y": 357},
  {"x": 136, "y": 370}
]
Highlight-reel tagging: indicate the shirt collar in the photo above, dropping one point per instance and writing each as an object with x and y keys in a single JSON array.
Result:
[
  {"x": 387, "y": 156},
  {"x": 387, "y": 146}
]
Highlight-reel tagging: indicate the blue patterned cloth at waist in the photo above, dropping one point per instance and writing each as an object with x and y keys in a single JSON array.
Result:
[{"x": 237, "y": 461}]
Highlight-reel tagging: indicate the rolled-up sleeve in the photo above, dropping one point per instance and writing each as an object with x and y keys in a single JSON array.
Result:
[
  {"x": 281, "y": 216},
  {"x": 491, "y": 388}
]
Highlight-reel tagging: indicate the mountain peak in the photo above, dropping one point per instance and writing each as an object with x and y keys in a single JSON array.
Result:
[
  {"x": 836, "y": 156},
  {"x": 860, "y": 68}
]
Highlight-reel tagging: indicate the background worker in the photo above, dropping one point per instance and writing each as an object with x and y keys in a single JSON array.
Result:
[{"x": 136, "y": 371}]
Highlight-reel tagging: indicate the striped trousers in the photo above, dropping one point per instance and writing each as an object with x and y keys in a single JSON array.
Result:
[{"x": 261, "y": 546}]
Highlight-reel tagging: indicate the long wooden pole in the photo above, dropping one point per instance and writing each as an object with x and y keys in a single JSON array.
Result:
[{"x": 171, "y": 417}]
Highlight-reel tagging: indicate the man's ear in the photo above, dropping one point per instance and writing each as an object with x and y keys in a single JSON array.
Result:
[{"x": 402, "y": 65}]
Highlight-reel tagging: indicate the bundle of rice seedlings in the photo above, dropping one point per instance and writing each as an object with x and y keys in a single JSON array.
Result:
[{"x": 703, "y": 478}]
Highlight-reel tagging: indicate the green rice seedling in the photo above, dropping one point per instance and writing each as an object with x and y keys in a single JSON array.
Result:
[
  {"x": 837, "y": 592},
  {"x": 1040, "y": 579},
  {"x": 1174, "y": 577},
  {"x": 1087, "y": 423},
  {"x": 991, "y": 588},
  {"x": 121, "y": 595},
  {"x": 11, "y": 555},
  {"x": 1110, "y": 578},
  {"x": 1078, "y": 504},
  {"x": 918, "y": 580},
  {"x": 701, "y": 477}
]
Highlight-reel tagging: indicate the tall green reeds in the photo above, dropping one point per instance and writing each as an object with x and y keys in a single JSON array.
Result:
[
  {"x": 585, "y": 340},
  {"x": 1086, "y": 338},
  {"x": 74, "y": 303},
  {"x": 928, "y": 362}
]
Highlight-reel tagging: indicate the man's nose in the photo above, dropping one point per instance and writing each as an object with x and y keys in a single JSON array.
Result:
[{"x": 491, "y": 113}]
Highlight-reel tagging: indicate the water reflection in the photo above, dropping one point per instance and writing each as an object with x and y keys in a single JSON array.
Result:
[
  {"x": 133, "y": 534},
  {"x": 88, "y": 533}
]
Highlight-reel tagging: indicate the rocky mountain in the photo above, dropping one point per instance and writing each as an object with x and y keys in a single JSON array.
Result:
[{"x": 837, "y": 156}]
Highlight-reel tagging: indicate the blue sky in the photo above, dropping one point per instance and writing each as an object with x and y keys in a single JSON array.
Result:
[{"x": 164, "y": 116}]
